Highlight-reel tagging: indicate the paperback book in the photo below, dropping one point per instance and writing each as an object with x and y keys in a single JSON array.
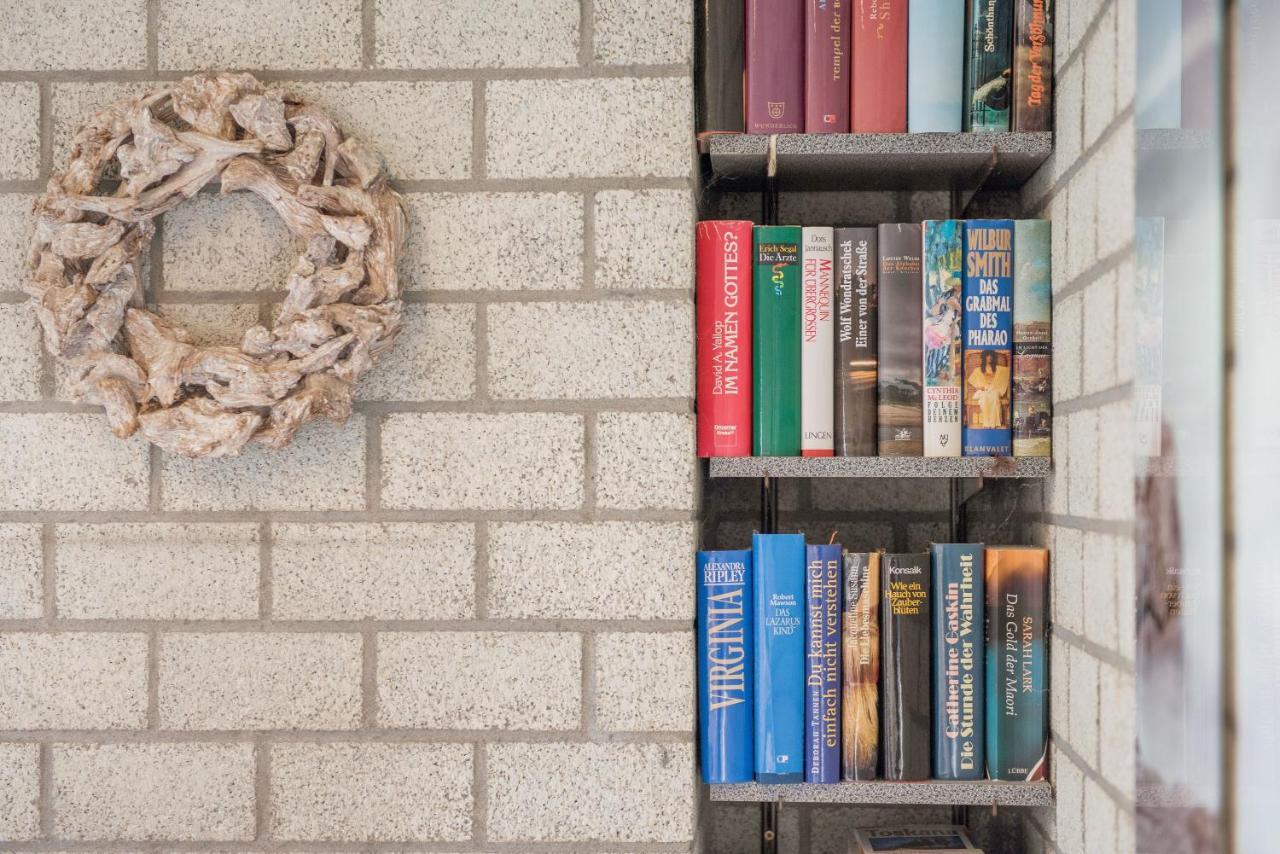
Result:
[
  {"x": 860, "y": 706},
  {"x": 988, "y": 331},
  {"x": 1032, "y": 339},
  {"x": 817, "y": 369},
  {"x": 905, "y": 629},
  {"x": 1017, "y": 578},
  {"x": 724, "y": 338},
  {"x": 779, "y": 566},
  {"x": 943, "y": 290},
  {"x": 822, "y": 664},
  {"x": 912, "y": 840},
  {"x": 988, "y": 73},
  {"x": 900, "y": 418},
  {"x": 959, "y": 653},
  {"x": 725, "y": 639},
  {"x": 776, "y": 350},
  {"x": 855, "y": 377},
  {"x": 1033, "y": 65}
]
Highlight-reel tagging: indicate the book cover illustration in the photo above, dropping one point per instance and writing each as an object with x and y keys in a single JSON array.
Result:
[
  {"x": 943, "y": 292},
  {"x": 779, "y": 673},
  {"x": 905, "y": 633},
  {"x": 938, "y": 839},
  {"x": 935, "y": 51},
  {"x": 855, "y": 397},
  {"x": 1033, "y": 66},
  {"x": 817, "y": 336},
  {"x": 959, "y": 661},
  {"x": 900, "y": 417},
  {"x": 822, "y": 664},
  {"x": 988, "y": 73},
  {"x": 860, "y": 703},
  {"x": 725, "y": 653},
  {"x": 1017, "y": 578},
  {"x": 724, "y": 338},
  {"x": 1032, "y": 339},
  {"x": 776, "y": 348},
  {"x": 988, "y": 332},
  {"x": 775, "y": 66},
  {"x": 719, "y": 66},
  {"x": 878, "y": 71},
  {"x": 826, "y": 74},
  {"x": 1148, "y": 365}
]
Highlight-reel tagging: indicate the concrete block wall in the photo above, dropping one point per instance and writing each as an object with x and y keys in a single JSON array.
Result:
[{"x": 462, "y": 622}]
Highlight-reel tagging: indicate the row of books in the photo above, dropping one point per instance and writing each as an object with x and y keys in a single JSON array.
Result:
[
  {"x": 817, "y": 665},
  {"x": 908, "y": 339},
  {"x": 884, "y": 66}
]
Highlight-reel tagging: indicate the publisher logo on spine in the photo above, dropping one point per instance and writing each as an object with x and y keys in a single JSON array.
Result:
[{"x": 777, "y": 109}]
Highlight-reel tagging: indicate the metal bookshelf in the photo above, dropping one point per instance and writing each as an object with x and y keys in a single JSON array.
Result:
[{"x": 979, "y": 793}]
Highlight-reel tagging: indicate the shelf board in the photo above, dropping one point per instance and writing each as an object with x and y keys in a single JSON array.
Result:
[
  {"x": 977, "y": 793},
  {"x": 1026, "y": 467}
]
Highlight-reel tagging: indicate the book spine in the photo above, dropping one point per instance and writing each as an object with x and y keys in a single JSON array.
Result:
[
  {"x": 725, "y": 662},
  {"x": 1158, "y": 89},
  {"x": 1033, "y": 66},
  {"x": 718, "y": 61},
  {"x": 775, "y": 66},
  {"x": 855, "y": 352},
  {"x": 900, "y": 417},
  {"x": 906, "y": 708},
  {"x": 860, "y": 706},
  {"x": 817, "y": 342},
  {"x": 822, "y": 664},
  {"x": 987, "y": 70},
  {"x": 959, "y": 666},
  {"x": 935, "y": 48},
  {"x": 1032, "y": 338},
  {"x": 988, "y": 345},
  {"x": 878, "y": 84},
  {"x": 776, "y": 349},
  {"x": 724, "y": 338},
  {"x": 826, "y": 71},
  {"x": 1017, "y": 663},
  {"x": 943, "y": 313},
  {"x": 1148, "y": 368},
  {"x": 779, "y": 674}
]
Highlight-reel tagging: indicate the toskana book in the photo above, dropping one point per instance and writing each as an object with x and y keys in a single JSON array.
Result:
[
  {"x": 878, "y": 72},
  {"x": 1032, "y": 339},
  {"x": 1017, "y": 578},
  {"x": 826, "y": 70},
  {"x": 718, "y": 67},
  {"x": 959, "y": 661},
  {"x": 906, "y": 708},
  {"x": 988, "y": 330},
  {"x": 943, "y": 312},
  {"x": 775, "y": 66},
  {"x": 934, "y": 839},
  {"x": 822, "y": 664},
  {"x": 1033, "y": 65},
  {"x": 988, "y": 73},
  {"x": 779, "y": 659},
  {"x": 776, "y": 348},
  {"x": 900, "y": 418},
  {"x": 725, "y": 662},
  {"x": 854, "y": 414},
  {"x": 860, "y": 703},
  {"x": 935, "y": 53},
  {"x": 817, "y": 335},
  {"x": 724, "y": 338}
]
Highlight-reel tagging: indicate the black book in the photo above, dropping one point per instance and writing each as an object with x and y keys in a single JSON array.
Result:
[
  {"x": 855, "y": 401},
  {"x": 906, "y": 714},
  {"x": 718, "y": 67},
  {"x": 900, "y": 309}
]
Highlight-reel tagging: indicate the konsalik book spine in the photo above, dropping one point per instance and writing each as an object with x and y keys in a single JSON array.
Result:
[{"x": 904, "y": 637}]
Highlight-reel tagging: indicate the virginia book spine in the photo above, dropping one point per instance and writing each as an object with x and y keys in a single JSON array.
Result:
[
  {"x": 776, "y": 350},
  {"x": 1032, "y": 339},
  {"x": 878, "y": 84},
  {"x": 718, "y": 61},
  {"x": 935, "y": 48},
  {"x": 822, "y": 664},
  {"x": 779, "y": 676},
  {"x": 900, "y": 417},
  {"x": 988, "y": 74},
  {"x": 775, "y": 66},
  {"x": 855, "y": 350},
  {"x": 725, "y": 663},
  {"x": 724, "y": 338},
  {"x": 988, "y": 332},
  {"x": 817, "y": 342},
  {"x": 943, "y": 314},
  {"x": 1033, "y": 66},
  {"x": 826, "y": 74},
  {"x": 860, "y": 706},
  {"x": 906, "y": 707},
  {"x": 959, "y": 662},
  {"x": 1017, "y": 579}
]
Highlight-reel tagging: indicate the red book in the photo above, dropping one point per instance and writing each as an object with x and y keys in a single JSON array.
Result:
[
  {"x": 826, "y": 69},
  {"x": 879, "y": 72},
  {"x": 724, "y": 338},
  {"x": 775, "y": 66}
]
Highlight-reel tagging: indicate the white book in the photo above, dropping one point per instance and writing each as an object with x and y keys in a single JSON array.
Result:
[
  {"x": 943, "y": 283},
  {"x": 817, "y": 343}
]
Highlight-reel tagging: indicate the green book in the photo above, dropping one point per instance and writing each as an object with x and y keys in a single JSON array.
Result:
[{"x": 776, "y": 357}]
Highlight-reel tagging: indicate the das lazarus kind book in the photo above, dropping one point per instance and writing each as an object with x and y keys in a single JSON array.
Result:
[
  {"x": 725, "y": 664},
  {"x": 943, "y": 314},
  {"x": 860, "y": 700},
  {"x": 822, "y": 664},
  {"x": 826, "y": 66},
  {"x": 1033, "y": 65},
  {"x": 817, "y": 337},
  {"x": 988, "y": 337},
  {"x": 905, "y": 629},
  {"x": 1032, "y": 341},
  {"x": 935, "y": 56},
  {"x": 878, "y": 76},
  {"x": 1017, "y": 578},
  {"x": 854, "y": 413},
  {"x": 776, "y": 348},
  {"x": 900, "y": 418},
  {"x": 724, "y": 259},
  {"x": 775, "y": 66},
  {"x": 779, "y": 676},
  {"x": 959, "y": 661},
  {"x": 988, "y": 75},
  {"x": 718, "y": 67}
]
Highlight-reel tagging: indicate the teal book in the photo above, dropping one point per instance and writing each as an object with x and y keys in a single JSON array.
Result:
[
  {"x": 776, "y": 354},
  {"x": 988, "y": 66},
  {"x": 1017, "y": 578},
  {"x": 1032, "y": 339},
  {"x": 779, "y": 656},
  {"x": 935, "y": 55},
  {"x": 959, "y": 661}
]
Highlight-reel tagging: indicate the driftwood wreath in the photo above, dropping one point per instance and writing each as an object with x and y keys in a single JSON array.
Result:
[{"x": 342, "y": 309}]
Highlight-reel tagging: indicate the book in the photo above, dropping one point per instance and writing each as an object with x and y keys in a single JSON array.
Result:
[
  {"x": 779, "y": 657},
  {"x": 822, "y": 664},
  {"x": 826, "y": 69},
  {"x": 854, "y": 413},
  {"x": 988, "y": 75},
  {"x": 959, "y": 661},
  {"x": 905, "y": 705},
  {"x": 878, "y": 72},
  {"x": 988, "y": 330},
  {"x": 937, "y": 839},
  {"x": 724, "y": 253},
  {"x": 1033, "y": 65},
  {"x": 1148, "y": 365},
  {"x": 943, "y": 312},
  {"x": 725, "y": 662},
  {"x": 935, "y": 56},
  {"x": 900, "y": 417},
  {"x": 775, "y": 66},
  {"x": 1017, "y": 580},
  {"x": 776, "y": 344},
  {"x": 718, "y": 67},
  {"x": 817, "y": 342},
  {"x": 860, "y": 701},
  {"x": 1032, "y": 339}
]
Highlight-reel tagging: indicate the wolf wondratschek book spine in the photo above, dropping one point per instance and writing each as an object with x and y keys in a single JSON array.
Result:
[
  {"x": 900, "y": 418},
  {"x": 779, "y": 673},
  {"x": 775, "y": 66},
  {"x": 860, "y": 701},
  {"x": 724, "y": 338},
  {"x": 988, "y": 64},
  {"x": 988, "y": 337},
  {"x": 855, "y": 352},
  {"x": 826, "y": 69},
  {"x": 1033, "y": 65},
  {"x": 822, "y": 664},
  {"x": 817, "y": 335},
  {"x": 935, "y": 51},
  {"x": 725, "y": 664},
  {"x": 776, "y": 350},
  {"x": 1032, "y": 341},
  {"x": 1017, "y": 578},
  {"x": 943, "y": 313},
  {"x": 906, "y": 707},
  {"x": 959, "y": 661}
]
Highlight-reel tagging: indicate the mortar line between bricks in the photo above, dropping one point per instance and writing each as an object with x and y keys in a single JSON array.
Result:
[
  {"x": 266, "y": 545},
  {"x": 369, "y": 679},
  {"x": 22, "y": 185},
  {"x": 1114, "y": 527},
  {"x": 1094, "y": 649},
  {"x": 481, "y": 397},
  {"x": 589, "y": 241},
  {"x": 46, "y": 131},
  {"x": 479, "y": 793},
  {"x": 358, "y": 75},
  {"x": 590, "y": 463},
  {"x": 261, "y": 789},
  {"x": 48, "y": 573},
  {"x": 1086, "y": 768},
  {"x": 368, "y": 34},
  {"x": 44, "y": 790},
  {"x": 373, "y": 460},
  {"x": 479, "y": 150},
  {"x": 153, "y": 36},
  {"x": 318, "y": 847},
  {"x": 473, "y": 406},
  {"x": 481, "y": 571},
  {"x": 587, "y": 711},
  {"x": 1078, "y": 51},
  {"x": 178, "y": 625},
  {"x": 155, "y": 497},
  {"x": 153, "y": 679},
  {"x": 354, "y": 736},
  {"x": 314, "y": 516},
  {"x": 586, "y": 33}
]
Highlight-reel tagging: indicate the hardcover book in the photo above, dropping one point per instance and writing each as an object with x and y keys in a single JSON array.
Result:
[
  {"x": 826, "y": 72},
  {"x": 779, "y": 676},
  {"x": 935, "y": 53},
  {"x": 911, "y": 840},
  {"x": 988, "y": 74},
  {"x": 1017, "y": 578},
  {"x": 725, "y": 662},
  {"x": 988, "y": 331},
  {"x": 905, "y": 630},
  {"x": 1033, "y": 65},
  {"x": 817, "y": 334},
  {"x": 776, "y": 350},
  {"x": 724, "y": 338},
  {"x": 775, "y": 66},
  {"x": 900, "y": 417},
  {"x": 822, "y": 665},
  {"x": 860, "y": 706},
  {"x": 959, "y": 662},
  {"x": 855, "y": 376},
  {"x": 1032, "y": 341},
  {"x": 718, "y": 67},
  {"x": 943, "y": 312},
  {"x": 878, "y": 78}
]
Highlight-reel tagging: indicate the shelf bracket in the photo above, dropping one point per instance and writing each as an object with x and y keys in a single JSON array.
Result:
[
  {"x": 962, "y": 196},
  {"x": 769, "y": 827}
]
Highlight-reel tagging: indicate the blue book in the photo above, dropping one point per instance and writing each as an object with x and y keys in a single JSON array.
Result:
[
  {"x": 822, "y": 664},
  {"x": 779, "y": 676},
  {"x": 724, "y": 666},
  {"x": 935, "y": 58},
  {"x": 959, "y": 661},
  {"x": 988, "y": 338}
]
